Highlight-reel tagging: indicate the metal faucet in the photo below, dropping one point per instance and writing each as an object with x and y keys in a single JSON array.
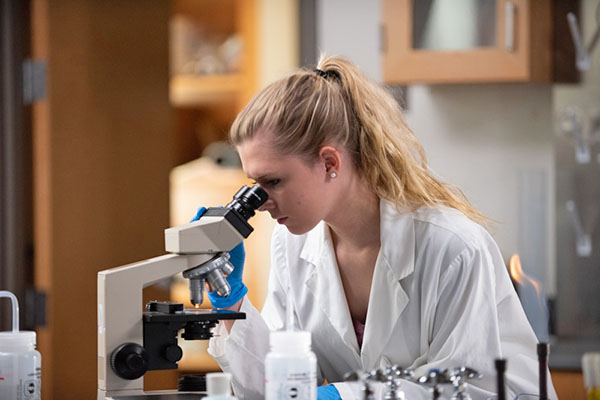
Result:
[
  {"x": 390, "y": 376},
  {"x": 458, "y": 377}
]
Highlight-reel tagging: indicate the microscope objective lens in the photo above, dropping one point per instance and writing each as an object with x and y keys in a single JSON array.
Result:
[{"x": 196, "y": 291}]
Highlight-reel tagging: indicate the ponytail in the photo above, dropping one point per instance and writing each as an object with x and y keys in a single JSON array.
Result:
[{"x": 336, "y": 103}]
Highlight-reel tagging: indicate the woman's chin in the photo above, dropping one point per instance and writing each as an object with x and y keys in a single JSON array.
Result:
[{"x": 298, "y": 230}]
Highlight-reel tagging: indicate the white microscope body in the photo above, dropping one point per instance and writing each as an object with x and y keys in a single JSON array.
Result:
[{"x": 127, "y": 335}]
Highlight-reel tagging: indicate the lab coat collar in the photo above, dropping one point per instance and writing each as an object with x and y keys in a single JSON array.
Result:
[
  {"x": 387, "y": 300},
  {"x": 325, "y": 284},
  {"x": 397, "y": 239},
  {"x": 315, "y": 243}
]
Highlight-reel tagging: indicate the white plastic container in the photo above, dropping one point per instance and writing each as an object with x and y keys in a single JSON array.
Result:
[
  {"x": 218, "y": 386},
  {"x": 20, "y": 362},
  {"x": 290, "y": 367}
]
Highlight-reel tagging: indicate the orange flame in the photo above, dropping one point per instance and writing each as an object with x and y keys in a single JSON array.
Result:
[{"x": 516, "y": 272}]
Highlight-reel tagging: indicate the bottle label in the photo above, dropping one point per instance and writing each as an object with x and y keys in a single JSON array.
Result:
[
  {"x": 296, "y": 386},
  {"x": 20, "y": 380}
]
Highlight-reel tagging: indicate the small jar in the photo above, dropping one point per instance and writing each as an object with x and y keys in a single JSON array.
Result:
[
  {"x": 290, "y": 367},
  {"x": 20, "y": 366},
  {"x": 218, "y": 386}
]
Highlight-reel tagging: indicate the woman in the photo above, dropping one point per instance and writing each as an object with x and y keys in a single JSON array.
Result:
[{"x": 386, "y": 265}]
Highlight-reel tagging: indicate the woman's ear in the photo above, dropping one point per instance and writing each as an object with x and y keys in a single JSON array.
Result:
[{"x": 330, "y": 157}]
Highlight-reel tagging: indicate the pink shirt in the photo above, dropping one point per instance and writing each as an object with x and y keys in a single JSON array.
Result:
[{"x": 359, "y": 329}]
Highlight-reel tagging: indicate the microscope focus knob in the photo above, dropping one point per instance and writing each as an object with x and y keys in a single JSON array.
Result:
[
  {"x": 173, "y": 353},
  {"x": 129, "y": 361}
]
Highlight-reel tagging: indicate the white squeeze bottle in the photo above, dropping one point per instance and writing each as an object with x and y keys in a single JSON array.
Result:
[
  {"x": 290, "y": 367},
  {"x": 20, "y": 362},
  {"x": 218, "y": 386}
]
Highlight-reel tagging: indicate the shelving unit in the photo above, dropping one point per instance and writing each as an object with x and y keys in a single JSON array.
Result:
[
  {"x": 219, "y": 35},
  {"x": 205, "y": 105},
  {"x": 196, "y": 91},
  {"x": 212, "y": 69}
]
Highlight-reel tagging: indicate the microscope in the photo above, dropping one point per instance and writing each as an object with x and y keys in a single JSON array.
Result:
[{"x": 131, "y": 341}]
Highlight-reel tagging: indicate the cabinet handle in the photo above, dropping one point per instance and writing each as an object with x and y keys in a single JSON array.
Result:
[{"x": 509, "y": 26}]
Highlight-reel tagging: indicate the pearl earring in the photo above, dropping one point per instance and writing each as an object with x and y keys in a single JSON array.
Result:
[{"x": 333, "y": 175}]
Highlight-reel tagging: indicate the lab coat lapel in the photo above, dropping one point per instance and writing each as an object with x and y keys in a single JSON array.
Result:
[
  {"x": 388, "y": 299},
  {"x": 327, "y": 287}
]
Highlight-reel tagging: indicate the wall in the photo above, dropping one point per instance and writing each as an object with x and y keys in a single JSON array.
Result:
[
  {"x": 350, "y": 28},
  {"x": 278, "y": 40},
  {"x": 486, "y": 139},
  {"x": 489, "y": 139}
]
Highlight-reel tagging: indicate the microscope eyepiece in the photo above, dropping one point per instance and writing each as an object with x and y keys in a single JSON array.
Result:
[{"x": 247, "y": 200}]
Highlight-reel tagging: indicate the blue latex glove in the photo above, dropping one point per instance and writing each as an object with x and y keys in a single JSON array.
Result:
[
  {"x": 328, "y": 392},
  {"x": 237, "y": 255},
  {"x": 199, "y": 213}
]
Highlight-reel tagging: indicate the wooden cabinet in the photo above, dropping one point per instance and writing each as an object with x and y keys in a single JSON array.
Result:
[
  {"x": 442, "y": 41},
  {"x": 212, "y": 68},
  {"x": 568, "y": 384},
  {"x": 113, "y": 125}
]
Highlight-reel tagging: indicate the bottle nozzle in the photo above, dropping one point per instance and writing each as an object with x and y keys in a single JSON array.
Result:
[{"x": 15, "y": 308}]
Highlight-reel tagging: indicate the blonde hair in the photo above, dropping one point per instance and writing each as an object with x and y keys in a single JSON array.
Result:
[{"x": 338, "y": 104}]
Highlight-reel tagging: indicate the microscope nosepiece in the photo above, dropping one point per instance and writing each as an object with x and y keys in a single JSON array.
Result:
[{"x": 212, "y": 274}]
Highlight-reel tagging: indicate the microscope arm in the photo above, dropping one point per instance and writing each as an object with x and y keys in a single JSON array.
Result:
[{"x": 120, "y": 308}]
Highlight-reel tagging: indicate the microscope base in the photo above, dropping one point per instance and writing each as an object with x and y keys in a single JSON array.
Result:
[{"x": 154, "y": 395}]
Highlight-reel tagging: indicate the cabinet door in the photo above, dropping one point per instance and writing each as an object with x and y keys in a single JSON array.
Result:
[
  {"x": 102, "y": 153},
  {"x": 438, "y": 41}
]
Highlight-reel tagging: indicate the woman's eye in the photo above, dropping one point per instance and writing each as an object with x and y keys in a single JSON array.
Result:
[{"x": 267, "y": 183}]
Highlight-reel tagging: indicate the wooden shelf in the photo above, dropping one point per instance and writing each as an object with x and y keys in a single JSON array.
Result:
[{"x": 194, "y": 90}]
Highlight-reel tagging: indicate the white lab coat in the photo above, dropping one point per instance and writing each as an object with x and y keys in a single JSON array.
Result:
[{"x": 440, "y": 297}]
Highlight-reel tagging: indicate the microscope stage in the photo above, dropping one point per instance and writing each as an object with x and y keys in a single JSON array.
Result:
[{"x": 190, "y": 315}]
